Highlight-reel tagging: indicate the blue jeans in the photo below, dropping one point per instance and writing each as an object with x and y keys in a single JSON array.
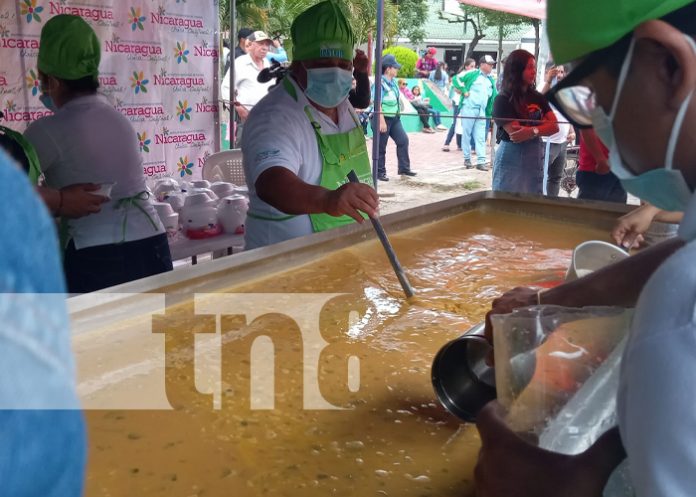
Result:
[
  {"x": 473, "y": 130},
  {"x": 396, "y": 131},
  {"x": 519, "y": 167},
  {"x": 557, "y": 162},
  {"x": 603, "y": 187}
]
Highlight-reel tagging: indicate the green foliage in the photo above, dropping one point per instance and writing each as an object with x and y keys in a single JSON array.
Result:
[
  {"x": 406, "y": 57},
  {"x": 411, "y": 16},
  {"x": 276, "y": 16}
]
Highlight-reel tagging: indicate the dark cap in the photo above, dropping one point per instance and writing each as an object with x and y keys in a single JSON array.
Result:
[
  {"x": 390, "y": 61},
  {"x": 244, "y": 33}
]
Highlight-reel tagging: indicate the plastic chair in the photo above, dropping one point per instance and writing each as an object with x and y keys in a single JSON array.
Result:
[{"x": 225, "y": 166}]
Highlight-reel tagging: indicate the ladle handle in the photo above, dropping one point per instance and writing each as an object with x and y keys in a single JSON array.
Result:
[{"x": 382, "y": 235}]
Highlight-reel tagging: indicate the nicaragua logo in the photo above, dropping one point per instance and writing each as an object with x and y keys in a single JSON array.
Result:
[
  {"x": 192, "y": 138},
  {"x": 89, "y": 13},
  {"x": 175, "y": 21},
  {"x": 12, "y": 115},
  {"x": 33, "y": 83},
  {"x": 142, "y": 49},
  {"x": 19, "y": 43},
  {"x": 30, "y": 10},
  {"x": 183, "y": 110},
  {"x": 205, "y": 106},
  {"x": 180, "y": 52},
  {"x": 180, "y": 81},
  {"x": 184, "y": 166},
  {"x": 136, "y": 19},
  {"x": 144, "y": 142},
  {"x": 138, "y": 82}
]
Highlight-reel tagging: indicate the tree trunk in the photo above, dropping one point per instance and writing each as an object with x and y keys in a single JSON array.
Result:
[
  {"x": 537, "y": 38},
  {"x": 477, "y": 37},
  {"x": 500, "y": 50}
]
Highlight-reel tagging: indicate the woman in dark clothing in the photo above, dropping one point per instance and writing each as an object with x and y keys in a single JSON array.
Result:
[{"x": 523, "y": 116}]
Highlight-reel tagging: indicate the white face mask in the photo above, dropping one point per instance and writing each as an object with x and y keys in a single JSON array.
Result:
[
  {"x": 664, "y": 187},
  {"x": 328, "y": 86}
]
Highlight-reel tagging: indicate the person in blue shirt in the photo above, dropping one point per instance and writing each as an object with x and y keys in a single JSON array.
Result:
[
  {"x": 277, "y": 52},
  {"x": 42, "y": 430}
]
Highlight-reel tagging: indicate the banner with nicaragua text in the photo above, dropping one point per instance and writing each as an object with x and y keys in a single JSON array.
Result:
[{"x": 159, "y": 68}]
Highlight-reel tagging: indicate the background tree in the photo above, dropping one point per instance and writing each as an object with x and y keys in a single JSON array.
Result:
[
  {"x": 405, "y": 17},
  {"x": 481, "y": 20}
]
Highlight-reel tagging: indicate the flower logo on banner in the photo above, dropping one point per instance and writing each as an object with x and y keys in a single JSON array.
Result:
[
  {"x": 136, "y": 19},
  {"x": 4, "y": 32},
  {"x": 138, "y": 82},
  {"x": 180, "y": 52},
  {"x": 184, "y": 166},
  {"x": 31, "y": 10},
  {"x": 10, "y": 105},
  {"x": 33, "y": 83},
  {"x": 183, "y": 111},
  {"x": 144, "y": 141}
]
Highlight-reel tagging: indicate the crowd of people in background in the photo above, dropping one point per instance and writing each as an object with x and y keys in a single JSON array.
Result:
[{"x": 530, "y": 145}]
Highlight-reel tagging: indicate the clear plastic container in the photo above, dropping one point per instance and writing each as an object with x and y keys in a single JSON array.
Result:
[{"x": 557, "y": 372}]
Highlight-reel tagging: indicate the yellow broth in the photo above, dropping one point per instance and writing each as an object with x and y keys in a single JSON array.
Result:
[{"x": 393, "y": 438}]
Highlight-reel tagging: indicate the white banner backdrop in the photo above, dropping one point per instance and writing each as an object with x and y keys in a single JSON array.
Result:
[{"x": 159, "y": 68}]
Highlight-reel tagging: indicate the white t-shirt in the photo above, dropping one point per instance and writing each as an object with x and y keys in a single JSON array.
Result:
[
  {"x": 88, "y": 141},
  {"x": 561, "y": 135},
  {"x": 656, "y": 406},
  {"x": 249, "y": 90},
  {"x": 279, "y": 133}
]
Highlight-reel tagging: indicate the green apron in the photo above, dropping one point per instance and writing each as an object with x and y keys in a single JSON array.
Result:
[
  {"x": 29, "y": 151},
  {"x": 341, "y": 153}
]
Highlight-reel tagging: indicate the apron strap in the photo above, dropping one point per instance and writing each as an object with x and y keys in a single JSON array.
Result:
[{"x": 127, "y": 202}]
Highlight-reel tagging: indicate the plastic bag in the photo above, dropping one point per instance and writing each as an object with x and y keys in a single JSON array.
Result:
[{"x": 557, "y": 372}]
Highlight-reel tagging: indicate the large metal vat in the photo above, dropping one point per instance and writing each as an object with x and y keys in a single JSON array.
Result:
[{"x": 162, "y": 424}]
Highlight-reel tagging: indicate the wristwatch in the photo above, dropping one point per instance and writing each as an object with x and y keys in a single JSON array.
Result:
[{"x": 535, "y": 130}]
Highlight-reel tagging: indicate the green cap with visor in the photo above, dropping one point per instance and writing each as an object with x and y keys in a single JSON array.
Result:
[
  {"x": 577, "y": 28},
  {"x": 322, "y": 31},
  {"x": 69, "y": 48}
]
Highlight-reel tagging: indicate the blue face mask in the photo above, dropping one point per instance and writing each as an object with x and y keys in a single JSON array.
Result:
[
  {"x": 48, "y": 102},
  {"x": 328, "y": 86},
  {"x": 664, "y": 187}
]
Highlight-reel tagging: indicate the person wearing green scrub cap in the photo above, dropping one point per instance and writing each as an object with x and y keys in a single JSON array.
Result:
[
  {"x": 88, "y": 145},
  {"x": 304, "y": 138},
  {"x": 632, "y": 78}
]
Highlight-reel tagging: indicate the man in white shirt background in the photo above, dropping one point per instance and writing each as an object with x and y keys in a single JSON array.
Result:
[
  {"x": 556, "y": 145},
  {"x": 246, "y": 71}
]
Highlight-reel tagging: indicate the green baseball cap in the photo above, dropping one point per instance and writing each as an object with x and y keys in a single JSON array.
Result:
[
  {"x": 322, "y": 31},
  {"x": 577, "y": 28},
  {"x": 69, "y": 48}
]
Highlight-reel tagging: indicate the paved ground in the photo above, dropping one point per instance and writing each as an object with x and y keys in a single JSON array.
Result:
[{"x": 441, "y": 175}]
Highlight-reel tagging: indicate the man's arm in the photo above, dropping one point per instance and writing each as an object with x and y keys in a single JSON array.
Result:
[
  {"x": 594, "y": 147},
  {"x": 282, "y": 189},
  {"x": 619, "y": 284},
  {"x": 73, "y": 201},
  {"x": 360, "y": 98},
  {"x": 510, "y": 467}
]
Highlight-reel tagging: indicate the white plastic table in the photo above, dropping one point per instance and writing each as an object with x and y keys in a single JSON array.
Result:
[{"x": 183, "y": 248}]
